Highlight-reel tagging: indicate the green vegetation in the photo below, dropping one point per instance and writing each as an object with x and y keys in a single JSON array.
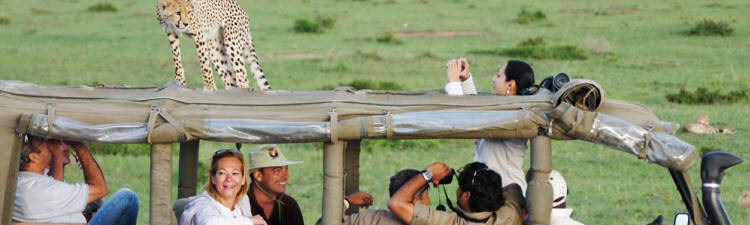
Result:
[
  {"x": 535, "y": 48},
  {"x": 646, "y": 58},
  {"x": 361, "y": 84},
  {"x": 703, "y": 96},
  {"x": 530, "y": 16},
  {"x": 327, "y": 22},
  {"x": 307, "y": 26},
  {"x": 102, "y": 7},
  {"x": 707, "y": 27},
  {"x": 388, "y": 37},
  {"x": 4, "y": 20}
]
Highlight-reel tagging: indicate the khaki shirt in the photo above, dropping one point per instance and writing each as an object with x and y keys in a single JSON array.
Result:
[
  {"x": 372, "y": 216},
  {"x": 508, "y": 214}
]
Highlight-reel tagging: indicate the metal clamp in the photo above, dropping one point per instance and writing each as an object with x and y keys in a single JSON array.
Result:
[
  {"x": 388, "y": 124},
  {"x": 334, "y": 123}
]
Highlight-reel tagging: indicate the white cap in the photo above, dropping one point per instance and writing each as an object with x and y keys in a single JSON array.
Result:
[{"x": 559, "y": 188}]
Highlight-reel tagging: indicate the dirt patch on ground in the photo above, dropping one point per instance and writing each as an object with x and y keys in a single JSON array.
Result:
[
  {"x": 440, "y": 33},
  {"x": 296, "y": 55}
]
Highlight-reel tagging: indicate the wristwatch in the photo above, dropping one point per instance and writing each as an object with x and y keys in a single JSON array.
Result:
[{"x": 427, "y": 175}]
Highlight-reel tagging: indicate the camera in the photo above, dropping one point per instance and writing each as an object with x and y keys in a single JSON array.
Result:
[
  {"x": 554, "y": 83},
  {"x": 448, "y": 179}
]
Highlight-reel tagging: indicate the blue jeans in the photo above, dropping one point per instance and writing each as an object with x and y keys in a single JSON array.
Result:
[{"x": 121, "y": 209}]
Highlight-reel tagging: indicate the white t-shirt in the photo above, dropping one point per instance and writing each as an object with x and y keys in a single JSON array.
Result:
[
  {"x": 40, "y": 198},
  {"x": 562, "y": 217},
  {"x": 205, "y": 210},
  {"x": 504, "y": 156}
]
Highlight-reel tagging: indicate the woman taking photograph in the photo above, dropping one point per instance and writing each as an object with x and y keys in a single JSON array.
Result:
[
  {"x": 224, "y": 200},
  {"x": 504, "y": 156}
]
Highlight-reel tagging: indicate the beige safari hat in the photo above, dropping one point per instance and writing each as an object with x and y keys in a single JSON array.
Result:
[
  {"x": 268, "y": 156},
  {"x": 559, "y": 188}
]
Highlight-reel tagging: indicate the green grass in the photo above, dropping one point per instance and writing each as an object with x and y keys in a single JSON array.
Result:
[{"x": 60, "y": 43}]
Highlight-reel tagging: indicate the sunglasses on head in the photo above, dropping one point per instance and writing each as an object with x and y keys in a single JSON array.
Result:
[{"x": 223, "y": 152}]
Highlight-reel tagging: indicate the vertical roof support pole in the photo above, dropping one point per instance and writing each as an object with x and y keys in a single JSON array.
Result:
[
  {"x": 351, "y": 171},
  {"x": 539, "y": 191},
  {"x": 333, "y": 183},
  {"x": 10, "y": 172},
  {"x": 188, "y": 170},
  {"x": 161, "y": 185}
]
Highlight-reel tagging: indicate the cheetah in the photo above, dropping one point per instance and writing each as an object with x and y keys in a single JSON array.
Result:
[
  {"x": 221, "y": 32},
  {"x": 703, "y": 126}
]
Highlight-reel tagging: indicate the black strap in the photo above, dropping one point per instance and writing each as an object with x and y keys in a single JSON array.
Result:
[{"x": 461, "y": 213}]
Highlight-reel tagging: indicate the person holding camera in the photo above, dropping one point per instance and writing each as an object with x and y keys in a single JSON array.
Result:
[
  {"x": 480, "y": 196},
  {"x": 504, "y": 156}
]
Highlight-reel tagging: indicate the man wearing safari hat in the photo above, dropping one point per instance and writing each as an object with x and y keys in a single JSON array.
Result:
[{"x": 269, "y": 173}]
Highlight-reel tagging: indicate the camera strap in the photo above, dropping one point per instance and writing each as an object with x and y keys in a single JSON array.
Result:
[{"x": 461, "y": 214}]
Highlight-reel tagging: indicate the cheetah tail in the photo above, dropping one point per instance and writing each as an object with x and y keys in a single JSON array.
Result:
[{"x": 255, "y": 68}]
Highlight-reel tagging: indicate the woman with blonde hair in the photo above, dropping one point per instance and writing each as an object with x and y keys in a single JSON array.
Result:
[{"x": 224, "y": 200}]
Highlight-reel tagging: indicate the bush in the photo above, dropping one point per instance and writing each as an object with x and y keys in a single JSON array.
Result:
[
  {"x": 307, "y": 26},
  {"x": 704, "y": 96},
  {"x": 326, "y": 21},
  {"x": 4, "y": 20},
  {"x": 535, "y": 48},
  {"x": 708, "y": 27},
  {"x": 388, "y": 37},
  {"x": 528, "y": 16},
  {"x": 361, "y": 84},
  {"x": 102, "y": 7}
]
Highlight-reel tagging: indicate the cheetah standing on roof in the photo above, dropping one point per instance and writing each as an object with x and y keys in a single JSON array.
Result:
[{"x": 221, "y": 32}]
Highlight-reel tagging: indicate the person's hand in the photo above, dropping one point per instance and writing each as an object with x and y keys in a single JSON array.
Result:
[
  {"x": 75, "y": 145},
  {"x": 453, "y": 70},
  {"x": 465, "y": 74},
  {"x": 258, "y": 220},
  {"x": 360, "y": 199},
  {"x": 439, "y": 171}
]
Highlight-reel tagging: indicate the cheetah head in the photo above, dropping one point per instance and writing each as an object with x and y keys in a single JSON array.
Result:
[{"x": 175, "y": 13}]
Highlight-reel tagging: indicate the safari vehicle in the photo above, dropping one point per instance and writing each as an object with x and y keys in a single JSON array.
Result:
[{"x": 341, "y": 119}]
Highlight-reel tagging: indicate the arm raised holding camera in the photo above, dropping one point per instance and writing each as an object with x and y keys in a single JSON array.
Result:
[
  {"x": 92, "y": 173},
  {"x": 402, "y": 202},
  {"x": 460, "y": 81}
]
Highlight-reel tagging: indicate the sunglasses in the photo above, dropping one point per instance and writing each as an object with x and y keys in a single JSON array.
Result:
[{"x": 224, "y": 152}]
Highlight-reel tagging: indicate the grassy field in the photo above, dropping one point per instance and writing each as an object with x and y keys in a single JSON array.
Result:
[{"x": 644, "y": 55}]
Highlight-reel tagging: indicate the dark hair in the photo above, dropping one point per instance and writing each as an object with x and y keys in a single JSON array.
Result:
[
  {"x": 400, "y": 178},
  {"x": 26, "y": 149},
  {"x": 521, "y": 72},
  {"x": 485, "y": 186}
]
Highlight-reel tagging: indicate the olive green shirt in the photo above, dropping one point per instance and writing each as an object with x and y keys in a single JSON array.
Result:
[{"x": 508, "y": 214}]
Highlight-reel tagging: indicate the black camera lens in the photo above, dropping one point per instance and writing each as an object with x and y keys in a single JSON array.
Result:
[{"x": 448, "y": 179}]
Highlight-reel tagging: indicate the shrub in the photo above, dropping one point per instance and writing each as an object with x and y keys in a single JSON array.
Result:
[
  {"x": 4, "y": 20},
  {"x": 361, "y": 84},
  {"x": 567, "y": 52},
  {"x": 528, "y": 16},
  {"x": 326, "y": 21},
  {"x": 704, "y": 96},
  {"x": 388, "y": 37},
  {"x": 708, "y": 27},
  {"x": 102, "y": 7},
  {"x": 535, "y": 48},
  {"x": 307, "y": 26}
]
